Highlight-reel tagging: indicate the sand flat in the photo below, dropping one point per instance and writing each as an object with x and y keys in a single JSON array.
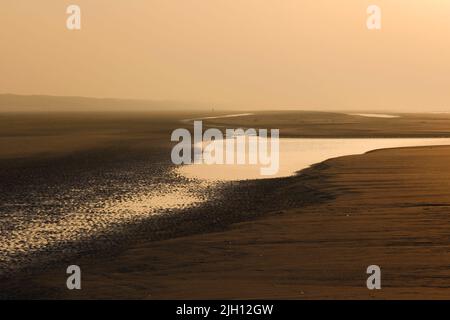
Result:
[
  {"x": 310, "y": 236},
  {"x": 387, "y": 207}
]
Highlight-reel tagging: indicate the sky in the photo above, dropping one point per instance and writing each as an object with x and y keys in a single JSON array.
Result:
[{"x": 306, "y": 54}]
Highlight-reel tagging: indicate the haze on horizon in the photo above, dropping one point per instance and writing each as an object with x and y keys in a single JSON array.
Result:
[{"x": 252, "y": 54}]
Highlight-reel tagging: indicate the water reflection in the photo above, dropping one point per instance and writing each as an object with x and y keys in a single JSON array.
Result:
[
  {"x": 299, "y": 153},
  {"x": 374, "y": 115},
  {"x": 42, "y": 234}
]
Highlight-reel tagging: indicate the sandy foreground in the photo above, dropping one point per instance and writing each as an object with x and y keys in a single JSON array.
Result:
[
  {"x": 387, "y": 207},
  {"x": 304, "y": 237}
]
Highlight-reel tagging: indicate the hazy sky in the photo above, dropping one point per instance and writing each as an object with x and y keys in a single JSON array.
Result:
[{"x": 313, "y": 54}]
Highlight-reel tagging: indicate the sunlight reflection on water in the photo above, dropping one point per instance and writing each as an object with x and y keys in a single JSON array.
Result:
[{"x": 300, "y": 153}]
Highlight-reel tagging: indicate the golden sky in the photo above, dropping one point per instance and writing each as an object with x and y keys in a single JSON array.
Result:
[{"x": 311, "y": 54}]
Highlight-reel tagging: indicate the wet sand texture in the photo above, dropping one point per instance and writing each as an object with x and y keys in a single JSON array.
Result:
[
  {"x": 388, "y": 207},
  {"x": 310, "y": 236}
]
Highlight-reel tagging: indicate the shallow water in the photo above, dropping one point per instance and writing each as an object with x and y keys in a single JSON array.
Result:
[
  {"x": 374, "y": 115},
  {"x": 36, "y": 235},
  {"x": 47, "y": 212},
  {"x": 299, "y": 153},
  {"x": 219, "y": 117}
]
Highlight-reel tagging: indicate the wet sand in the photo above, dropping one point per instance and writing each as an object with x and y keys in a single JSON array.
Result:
[
  {"x": 388, "y": 207},
  {"x": 303, "y": 237}
]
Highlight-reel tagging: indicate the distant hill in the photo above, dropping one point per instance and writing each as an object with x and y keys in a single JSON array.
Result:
[{"x": 43, "y": 103}]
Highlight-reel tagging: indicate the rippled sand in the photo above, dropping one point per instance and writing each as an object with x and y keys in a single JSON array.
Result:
[
  {"x": 31, "y": 236},
  {"x": 101, "y": 177}
]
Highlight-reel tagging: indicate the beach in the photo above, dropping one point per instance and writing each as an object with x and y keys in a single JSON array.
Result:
[
  {"x": 307, "y": 236},
  {"x": 184, "y": 149}
]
